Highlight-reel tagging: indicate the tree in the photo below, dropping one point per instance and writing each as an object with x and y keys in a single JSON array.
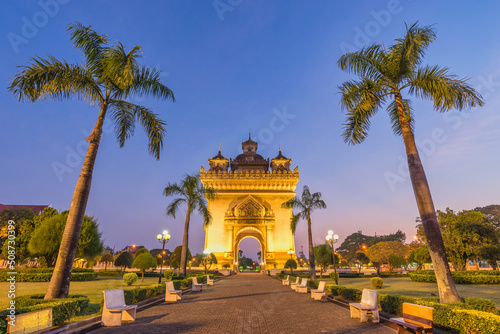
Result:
[
  {"x": 464, "y": 234},
  {"x": 207, "y": 260},
  {"x": 175, "y": 258},
  {"x": 144, "y": 262},
  {"x": 382, "y": 251},
  {"x": 305, "y": 204},
  {"x": 141, "y": 251},
  {"x": 420, "y": 256},
  {"x": 358, "y": 241},
  {"x": 19, "y": 216},
  {"x": 108, "y": 77},
  {"x": 491, "y": 254},
  {"x": 361, "y": 259},
  {"x": 46, "y": 238},
  {"x": 291, "y": 264},
  {"x": 106, "y": 258},
  {"x": 396, "y": 261},
  {"x": 192, "y": 193},
  {"x": 385, "y": 74},
  {"x": 124, "y": 260},
  {"x": 323, "y": 257},
  {"x": 492, "y": 212}
]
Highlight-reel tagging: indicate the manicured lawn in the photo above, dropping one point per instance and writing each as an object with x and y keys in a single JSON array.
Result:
[
  {"x": 92, "y": 289},
  {"x": 406, "y": 287}
]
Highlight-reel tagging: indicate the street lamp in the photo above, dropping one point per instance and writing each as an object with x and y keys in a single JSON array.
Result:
[
  {"x": 291, "y": 252},
  {"x": 206, "y": 252},
  {"x": 163, "y": 238},
  {"x": 332, "y": 238}
]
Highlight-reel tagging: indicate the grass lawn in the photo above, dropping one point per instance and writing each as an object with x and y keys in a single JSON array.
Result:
[
  {"x": 406, "y": 287},
  {"x": 92, "y": 289}
]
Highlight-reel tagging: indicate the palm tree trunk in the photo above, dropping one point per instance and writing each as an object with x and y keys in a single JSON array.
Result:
[
  {"x": 446, "y": 286},
  {"x": 312, "y": 264},
  {"x": 59, "y": 283},
  {"x": 184, "y": 251}
]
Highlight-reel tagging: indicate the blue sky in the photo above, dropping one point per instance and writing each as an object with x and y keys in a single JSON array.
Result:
[{"x": 241, "y": 66}]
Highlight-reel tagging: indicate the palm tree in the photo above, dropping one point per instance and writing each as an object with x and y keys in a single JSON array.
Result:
[
  {"x": 305, "y": 204},
  {"x": 192, "y": 193},
  {"x": 384, "y": 75},
  {"x": 108, "y": 77}
]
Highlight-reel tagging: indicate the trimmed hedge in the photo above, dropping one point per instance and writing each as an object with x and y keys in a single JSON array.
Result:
[
  {"x": 475, "y": 315},
  {"x": 45, "y": 277},
  {"x": 62, "y": 309},
  {"x": 139, "y": 294},
  {"x": 110, "y": 273},
  {"x": 460, "y": 277}
]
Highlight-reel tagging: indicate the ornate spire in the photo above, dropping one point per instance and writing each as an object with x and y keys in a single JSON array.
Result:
[{"x": 219, "y": 147}]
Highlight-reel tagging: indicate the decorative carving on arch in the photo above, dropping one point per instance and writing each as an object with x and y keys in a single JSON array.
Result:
[{"x": 249, "y": 207}]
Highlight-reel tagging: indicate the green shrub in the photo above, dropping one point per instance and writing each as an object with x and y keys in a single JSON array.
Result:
[
  {"x": 177, "y": 284},
  {"x": 186, "y": 283},
  {"x": 332, "y": 275},
  {"x": 62, "y": 309},
  {"x": 110, "y": 273},
  {"x": 377, "y": 282},
  {"x": 45, "y": 274},
  {"x": 130, "y": 278},
  {"x": 313, "y": 284},
  {"x": 168, "y": 274},
  {"x": 139, "y": 294},
  {"x": 350, "y": 275},
  {"x": 481, "y": 304},
  {"x": 334, "y": 289},
  {"x": 458, "y": 276}
]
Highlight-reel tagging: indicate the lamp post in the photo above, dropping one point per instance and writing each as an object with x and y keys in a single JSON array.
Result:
[
  {"x": 332, "y": 238},
  {"x": 163, "y": 238},
  {"x": 206, "y": 252},
  {"x": 291, "y": 252}
]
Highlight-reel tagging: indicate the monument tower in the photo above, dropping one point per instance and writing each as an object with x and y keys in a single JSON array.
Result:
[{"x": 250, "y": 191}]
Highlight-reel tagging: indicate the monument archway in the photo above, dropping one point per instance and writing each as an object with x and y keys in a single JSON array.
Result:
[
  {"x": 249, "y": 239},
  {"x": 248, "y": 205}
]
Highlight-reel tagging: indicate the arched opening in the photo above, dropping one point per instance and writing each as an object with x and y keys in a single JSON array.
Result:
[{"x": 249, "y": 253}]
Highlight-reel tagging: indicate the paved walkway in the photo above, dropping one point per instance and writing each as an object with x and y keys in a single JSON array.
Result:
[{"x": 246, "y": 303}]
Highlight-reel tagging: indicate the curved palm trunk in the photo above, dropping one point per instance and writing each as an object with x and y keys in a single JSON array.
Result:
[
  {"x": 59, "y": 283},
  {"x": 446, "y": 286},
  {"x": 182, "y": 266},
  {"x": 312, "y": 263}
]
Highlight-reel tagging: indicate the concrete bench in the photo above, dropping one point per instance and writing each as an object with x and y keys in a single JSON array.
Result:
[
  {"x": 319, "y": 292},
  {"x": 369, "y": 304},
  {"x": 293, "y": 285},
  {"x": 30, "y": 322},
  {"x": 209, "y": 280},
  {"x": 196, "y": 286},
  {"x": 114, "y": 310},
  {"x": 172, "y": 295},
  {"x": 415, "y": 317},
  {"x": 302, "y": 287},
  {"x": 286, "y": 281}
]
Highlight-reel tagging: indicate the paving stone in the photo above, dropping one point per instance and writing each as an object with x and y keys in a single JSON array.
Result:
[{"x": 246, "y": 303}]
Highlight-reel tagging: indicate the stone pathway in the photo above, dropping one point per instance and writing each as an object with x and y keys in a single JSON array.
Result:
[{"x": 246, "y": 303}]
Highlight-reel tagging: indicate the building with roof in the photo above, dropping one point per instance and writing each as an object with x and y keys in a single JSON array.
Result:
[{"x": 250, "y": 191}]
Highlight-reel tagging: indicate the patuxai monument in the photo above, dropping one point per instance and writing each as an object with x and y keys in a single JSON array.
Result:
[{"x": 250, "y": 192}]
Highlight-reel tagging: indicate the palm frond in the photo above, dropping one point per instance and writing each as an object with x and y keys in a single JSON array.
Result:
[
  {"x": 393, "y": 112},
  {"x": 203, "y": 211},
  {"x": 123, "y": 115},
  {"x": 410, "y": 49},
  {"x": 90, "y": 42},
  {"x": 43, "y": 78},
  {"x": 120, "y": 67},
  {"x": 293, "y": 222},
  {"x": 148, "y": 83},
  {"x": 173, "y": 207},
  {"x": 173, "y": 189},
  {"x": 361, "y": 99},
  {"x": 367, "y": 62},
  {"x": 446, "y": 90},
  {"x": 154, "y": 128}
]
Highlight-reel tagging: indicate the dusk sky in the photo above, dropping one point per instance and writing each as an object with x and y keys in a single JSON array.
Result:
[{"x": 265, "y": 66}]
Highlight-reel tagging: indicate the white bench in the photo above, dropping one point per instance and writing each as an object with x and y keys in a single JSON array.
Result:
[
  {"x": 294, "y": 284},
  {"x": 302, "y": 287},
  {"x": 196, "y": 286},
  {"x": 368, "y": 303},
  {"x": 172, "y": 295},
  {"x": 319, "y": 292},
  {"x": 114, "y": 310},
  {"x": 286, "y": 281},
  {"x": 209, "y": 280}
]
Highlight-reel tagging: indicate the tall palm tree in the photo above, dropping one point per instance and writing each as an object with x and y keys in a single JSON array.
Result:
[
  {"x": 384, "y": 76},
  {"x": 107, "y": 78},
  {"x": 192, "y": 193},
  {"x": 305, "y": 204}
]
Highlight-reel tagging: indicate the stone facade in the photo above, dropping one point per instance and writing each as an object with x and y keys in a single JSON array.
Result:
[{"x": 250, "y": 191}]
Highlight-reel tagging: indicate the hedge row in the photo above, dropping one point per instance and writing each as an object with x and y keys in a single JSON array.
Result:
[
  {"x": 45, "y": 277},
  {"x": 463, "y": 273},
  {"x": 110, "y": 273},
  {"x": 475, "y": 315},
  {"x": 458, "y": 277},
  {"x": 62, "y": 309},
  {"x": 44, "y": 270}
]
